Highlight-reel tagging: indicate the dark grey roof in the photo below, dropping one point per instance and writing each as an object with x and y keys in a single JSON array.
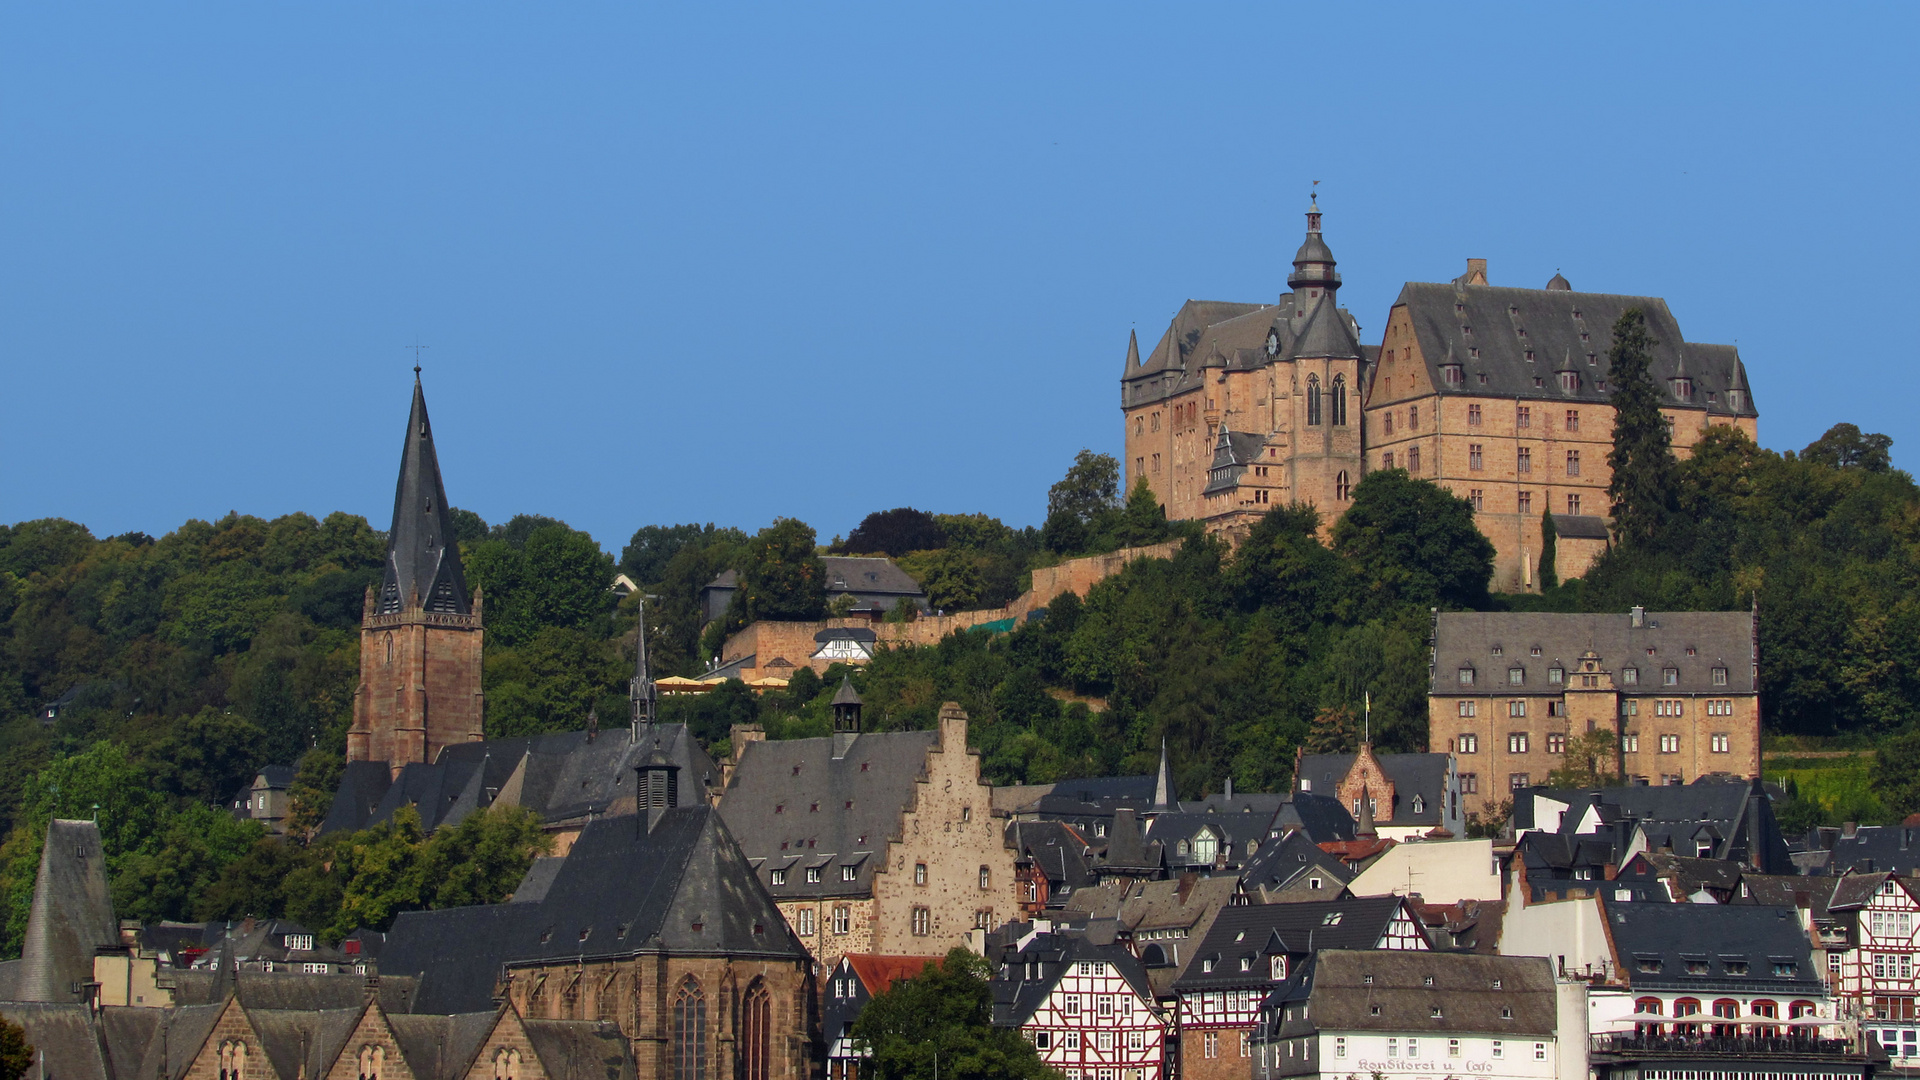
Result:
[
  {"x": 64, "y": 1037},
  {"x": 1201, "y": 329},
  {"x": 538, "y": 879},
  {"x": 1734, "y": 816},
  {"x": 1441, "y": 992},
  {"x": 1870, "y": 848},
  {"x": 1580, "y": 527},
  {"x": 1720, "y": 639},
  {"x": 291, "y": 990},
  {"x": 787, "y": 804},
  {"x": 1235, "y": 832},
  {"x": 846, "y": 695},
  {"x": 423, "y": 558},
  {"x": 1715, "y": 938},
  {"x": 303, "y": 1042},
  {"x": 847, "y": 633},
  {"x": 1127, "y": 851},
  {"x": 276, "y": 776},
  {"x": 1057, "y": 849},
  {"x": 1280, "y": 862},
  {"x": 1095, "y": 797},
  {"x": 682, "y": 887},
  {"x": 1321, "y": 817},
  {"x": 868, "y": 574},
  {"x": 1439, "y": 312},
  {"x": 1260, "y": 930},
  {"x": 70, "y": 918},
  {"x": 561, "y": 776},
  {"x": 1326, "y": 334},
  {"x": 580, "y": 1049},
  {"x": 1259, "y": 803},
  {"x": 439, "y": 1047},
  {"x": 1232, "y": 451},
  {"x": 1016, "y": 995},
  {"x": 1424, "y": 775}
]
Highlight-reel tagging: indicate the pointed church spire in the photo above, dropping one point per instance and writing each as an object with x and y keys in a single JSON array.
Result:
[
  {"x": 642, "y": 691},
  {"x": 1133, "y": 352},
  {"x": 1363, "y": 821},
  {"x": 423, "y": 558},
  {"x": 1163, "y": 787}
]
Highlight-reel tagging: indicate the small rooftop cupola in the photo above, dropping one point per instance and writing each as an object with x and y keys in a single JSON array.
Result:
[
  {"x": 1313, "y": 279},
  {"x": 423, "y": 558},
  {"x": 1163, "y": 785},
  {"x": 659, "y": 787},
  {"x": 1737, "y": 388},
  {"x": 846, "y": 707},
  {"x": 1558, "y": 283}
]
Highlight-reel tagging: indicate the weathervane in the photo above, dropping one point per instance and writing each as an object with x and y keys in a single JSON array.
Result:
[{"x": 416, "y": 349}]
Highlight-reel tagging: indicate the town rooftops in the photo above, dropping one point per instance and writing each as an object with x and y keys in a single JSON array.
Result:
[
  {"x": 1029, "y": 974},
  {"x": 681, "y": 887},
  {"x": 1441, "y": 992},
  {"x": 1255, "y": 932},
  {"x": 1708, "y": 652},
  {"x": 1709, "y": 948},
  {"x": 1417, "y": 778}
]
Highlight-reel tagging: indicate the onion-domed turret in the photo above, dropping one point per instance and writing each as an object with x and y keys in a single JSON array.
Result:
[{"x": 1313, "y": 265}]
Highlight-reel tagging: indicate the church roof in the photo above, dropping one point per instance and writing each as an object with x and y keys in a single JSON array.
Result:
[
  {"x": 1490, "y": 332},
  {"x": 681, "y": 887},
  {"x": 71, "y": 916},
  {"x": 423, "y": 558}
]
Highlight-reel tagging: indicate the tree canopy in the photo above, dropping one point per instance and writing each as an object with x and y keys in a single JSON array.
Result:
[{"x": 940, "y": 1023}]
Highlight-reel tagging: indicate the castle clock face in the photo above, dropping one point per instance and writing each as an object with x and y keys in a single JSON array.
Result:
[{"x": 1273, "y": 343}]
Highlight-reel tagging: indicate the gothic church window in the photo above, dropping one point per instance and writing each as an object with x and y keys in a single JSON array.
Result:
[
  {"x": 1313, "y": 400},
  {"x": 1342, "y": 487},
  {"x": 757, "y": 1036},
  {"x": 1339, "y": 401},
  {"x": 690, "y": 1032}
]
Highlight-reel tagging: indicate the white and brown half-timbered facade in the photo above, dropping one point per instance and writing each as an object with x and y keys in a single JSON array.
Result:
[
  {"x": 1088, "y": 1009},
  {"x": 1875, "y": 979}
]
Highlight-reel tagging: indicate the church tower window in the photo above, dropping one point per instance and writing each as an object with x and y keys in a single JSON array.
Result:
[
  {"x": 1339, "y": 395},
  {"x": 1313, "y": 400}
]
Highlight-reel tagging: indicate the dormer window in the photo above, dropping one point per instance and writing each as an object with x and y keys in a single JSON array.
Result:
[
  {"x": 1419, "y": 805},
  {"x": 1630, "y": 676},
  {"x": 1555, "y": 674},
  {"x": 1719, "y": 676},
  {"x": 1682, "y": 388},
  {"x": 1570, "y": 381},
  {"x": 1516, "y": 676},
  {"x": 1452, "y": 374},
  {"x": 1466, "y": 676}
]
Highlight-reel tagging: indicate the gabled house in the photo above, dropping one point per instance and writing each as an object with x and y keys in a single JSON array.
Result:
[
  {"x": 1872, "y": 973},
  {"x": 1294, "y": 868},
  {"x": 1408, "y": 795},
  {"x": 1052, "y": 860},
  {"x": 1088, "y": 1009},
  {"x": 1250, "y": 951},
  {"x": 266, "y": 800},
  {"x": 857, "y": 979}
]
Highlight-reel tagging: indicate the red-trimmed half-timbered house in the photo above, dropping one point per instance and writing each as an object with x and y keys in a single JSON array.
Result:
[
  {"x": 1875, "y": 979},
  {"x": 1087, "y": 1008}
]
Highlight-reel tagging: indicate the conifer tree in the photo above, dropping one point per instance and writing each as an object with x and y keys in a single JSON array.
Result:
[
  {"x": 1642, "y": 461},
  {"x": 1549, "y": 551}
]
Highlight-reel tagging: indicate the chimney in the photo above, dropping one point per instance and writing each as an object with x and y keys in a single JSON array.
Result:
[
  {"x": 1476, "y": 271},
  {"x": 1848, "y": 829},
  {"x": 1639, "y": 617}
]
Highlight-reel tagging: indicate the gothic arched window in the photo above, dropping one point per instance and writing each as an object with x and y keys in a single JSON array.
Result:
[
  {"x": 372, "y": 1060},
  {"x": 1342, "y": 487},
  {"x": 1339, "y": 401},
  {"x": 233, "y": 1060},
  {"x": 756, "y": 1020},
  {"x": 690, "y": 1032},
  {"x": 506, "y": 1064},
  {"x": 1313, "y": 400}
]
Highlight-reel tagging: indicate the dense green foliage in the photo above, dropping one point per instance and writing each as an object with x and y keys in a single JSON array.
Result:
[
  {"x": 1642, "y": 489},
  {"x": 900, "y": 531},
  {"x": 940, "y": 1024},
  {"x": 16, "y": 1053}
]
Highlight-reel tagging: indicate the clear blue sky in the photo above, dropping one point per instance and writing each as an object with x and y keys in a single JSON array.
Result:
[{"x": 821, "y": 259}]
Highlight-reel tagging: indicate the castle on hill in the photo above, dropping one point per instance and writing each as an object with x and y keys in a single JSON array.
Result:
[{"x": 1498, "y": 394}]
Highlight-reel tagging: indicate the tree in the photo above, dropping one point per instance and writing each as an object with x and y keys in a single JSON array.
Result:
[
  {"x": 468, "y": 527},
  {"x": 894, "y": 532},
  {"x": 653, "y": 547},
  {"x": 1845, "y": 447},
  {"x": 1082, "y": 502},
  {"x": 780, "y": 576},
  {"x": 1642, "y": 488},
  {"x": 16, "y": 1054},
  {"x": 1415, "y": 542},
  {"x": 942, "y": 1020},
  {"x": 1896, "y": 773},
  {"x": 1143, "y": 520},
  {"x": 1282, "y": 566},
  {"x": 1549, "y": 551},
  {"x": 1589, "y": 761},
  {"x": 1336, "y": 730},
  {"x": 552, "y": 576},
  {"x": 310, "y": 796}
]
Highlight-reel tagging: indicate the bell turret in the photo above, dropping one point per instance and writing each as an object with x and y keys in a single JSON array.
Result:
[{"x": 846, "y": 706}]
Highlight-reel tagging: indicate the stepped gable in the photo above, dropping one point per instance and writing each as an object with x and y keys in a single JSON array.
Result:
[
  {"x": 682, "y": 887},
  {"x": 767, "y": 803},
  {"x": 1424, "y": 775},
  {"x": 562, "y": 776},
  {"x": 1553, "y": 320},
  {"x": 71, "y": 916},
  {"x": 423, "y": 558}
]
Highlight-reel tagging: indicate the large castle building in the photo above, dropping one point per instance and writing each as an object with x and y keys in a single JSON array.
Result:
[{"x": 1498, "y": 394}]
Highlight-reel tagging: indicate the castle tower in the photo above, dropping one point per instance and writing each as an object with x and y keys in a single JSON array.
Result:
[
  {"x": 1314, "y": 278},
  {"x": 1327, "y": 373},
  {"x": 420, "y": 634}
]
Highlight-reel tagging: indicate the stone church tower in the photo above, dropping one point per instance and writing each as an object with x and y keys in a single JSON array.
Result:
[{"x": 420, "y": 633}]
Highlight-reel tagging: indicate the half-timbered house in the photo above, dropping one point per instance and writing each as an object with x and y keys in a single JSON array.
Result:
[
  {"x": 1087, "y": 1008},
  {"x": 1874, "y": 979}
]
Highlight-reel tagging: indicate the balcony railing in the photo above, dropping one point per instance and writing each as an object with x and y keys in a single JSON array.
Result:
[{"x": 1723, "y": 1046}]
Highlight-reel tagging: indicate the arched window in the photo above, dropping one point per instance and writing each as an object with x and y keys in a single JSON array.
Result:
[
  {"x": 372, "y": 1059},
  {"x": 756, "y": 1018},
  {"x": 1799, "y": 1009},
  {"x": 1726, "y": 1009},
  {"x": 1765, "y": 1010},
  {"x": 1686, "y": 1007},
  {"x": 233, "y": 1060},
  {"x": 389, "y": 648},
  {"x": 1313, "y": 400},
  {"x": 1342, "y": 487},
  {"x": 506, "y": 1064},
  {"x": 1339, "y": 393},
  {"x": 1204, "y": 846},
  {"x": 690, "y": 1032}
]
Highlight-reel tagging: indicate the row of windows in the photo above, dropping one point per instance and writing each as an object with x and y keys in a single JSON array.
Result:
[
  {"x": 1520, "y": 742},
  {"x": 1557, "y": 675},
  {"x": 1098, "y": 1040},
  {"x": 847, "y": 873},
  {"x": 1522, "y": 418},
  {"x": 1666, "y": 707},
  {"x": 1453, "y": 1048},
  {"x": 1103, "y": 1005}
]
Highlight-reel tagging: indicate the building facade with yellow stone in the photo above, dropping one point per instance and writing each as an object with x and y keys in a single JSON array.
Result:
[
  {"x": 1498, "y": 394},
  {"x": 873, "y": 842},
  {"x": 1512, "y": 693}
]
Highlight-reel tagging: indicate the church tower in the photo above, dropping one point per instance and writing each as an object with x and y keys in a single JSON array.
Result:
[{"x": 420, "y": 633}]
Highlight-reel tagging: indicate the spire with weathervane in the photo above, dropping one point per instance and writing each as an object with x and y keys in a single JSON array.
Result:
[{"x": 423, "y": 557}]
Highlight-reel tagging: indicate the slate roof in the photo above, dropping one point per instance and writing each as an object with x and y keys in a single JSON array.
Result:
[
  {"x": 1870, "y": 848},
  {"x": 1236, "y": 833},
  {"x": 1058, "y": 851},
  {"x": 1735, "y": 816},
  {"x": 1087, "y": 799},
  {"x": 1260, "y": 803},
  {"x": 1720, "y": 639},
  {"x": 1424, "y": 775},
  {"x": 562, "y": 776},
  {"x": 580, "y": 1049},
  {"x": 1580, "y": 527},
  {"x": 683, "y": 887},
  {"x": 1262, "y": 930},
  {"x": 1016, "y": 996},
  {"x": 292, "y": 990},
  {"x": 301, "y": 1042},
  {"x": 1321, "y": 817},
  {"x": 1507, "y": 323},
  {"x": 1385, "y": 990},
  {"x": 867, "y": 574},
  {"x": 70, "y": 918},
  {"x": 787, "y": 804},
  {"x": 1718, "y": 936},
  {"x": 1232, "y": 452},
  {"x": 443, "y": 1046},
  {"x": 1127, "y": 851},
  {"x": 1280, "y": 862},
  {"x": 63, "y": 1035},
  {"x": 1326, "y": 333},
  {"x": 423, "y": 558}
]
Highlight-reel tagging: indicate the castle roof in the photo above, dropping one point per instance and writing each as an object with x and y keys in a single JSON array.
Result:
[
  {"x": 1691, "y": 643},
  {"x": 1326, "y": 334},
  {"x": 423, "y": 558},
  {"x": 1517, "y": 340}
]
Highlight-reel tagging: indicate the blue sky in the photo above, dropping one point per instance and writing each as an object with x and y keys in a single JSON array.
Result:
[{"x": 723, "y": 264}]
